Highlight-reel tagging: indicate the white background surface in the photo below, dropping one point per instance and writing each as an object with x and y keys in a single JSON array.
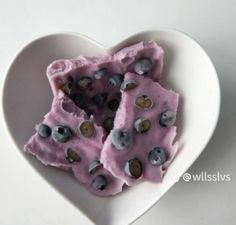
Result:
[{"x": 25, "y": 198}]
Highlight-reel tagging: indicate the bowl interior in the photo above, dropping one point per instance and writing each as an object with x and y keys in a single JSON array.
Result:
[{"x": 187, "y": 70}]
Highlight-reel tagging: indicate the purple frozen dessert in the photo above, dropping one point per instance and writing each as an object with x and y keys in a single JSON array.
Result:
[
  {"x": 94, "y": 83},
  {"x": 67, "y": 138},
  {"x": 111, "y": 123},
  {"x": 140, "y": 146}
]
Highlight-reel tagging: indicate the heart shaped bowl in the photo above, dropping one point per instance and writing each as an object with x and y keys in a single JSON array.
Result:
[{"x": 187, "y": 70}]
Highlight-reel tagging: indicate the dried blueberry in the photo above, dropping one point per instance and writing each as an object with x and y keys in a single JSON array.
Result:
[
  {"x": 143, "y": 66},
  {"x": 99, "y": 99},
  {"x": 94, "y": 166},
  {"x": 133, "y": 168},
  {"x": 43, "y": 130},
  {"x": 84, "y": 83},
  {"x": 113, "y": 104},
  {"x": 99, "y": 182},
  {"x": 86, "y": 128},
  {"x": 128, "y": 85},
  {"x": 116, "y": 80},
  {"x": 143, "y": 102},
  {"x": 108, "y": 124},
  {"x": 61, "y": 133},
  {"x": 120, "y": 138},
  {"x": 157, "y": 156},
  {"x": 142, "y": 125},
  {"x": 100, "y": 74},
  {"x": 167, "y": 118},
  {"x": 72, "y": 156}
]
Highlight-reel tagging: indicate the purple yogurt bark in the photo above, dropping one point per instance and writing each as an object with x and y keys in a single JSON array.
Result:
[
  {"x": 80, "y": 152},
  {"x": 141, "y": 145},
  {"x": 64, "y": 73}
]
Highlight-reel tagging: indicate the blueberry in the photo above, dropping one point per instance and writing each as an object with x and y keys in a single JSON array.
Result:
[
  {"x": 78, "y": 99},
  {"x": 61, "y": 134},
  {"x": 128, "y": 85},
  {"x": 142, "y": 125},
  {"x": 157, "y": 156},
  {"x": 94, "y": 166},
  {"x": 43, "y": 130},
  {"x": 99, "y": 99},
  {"x": 116, "y": 80},
  {"x": 84, "y": 83},
  {"x": 72, "y": 156},
  {"x": 120, "y": 138},
  {"x": 99, "y": 182},
  {"x": 167, "y": 118},
  {"x": 133, "y": 168},
  {"x": 113, "y": 104},
  {"x": 100, "y": 74},
  {"x": 143, "y": 66}
]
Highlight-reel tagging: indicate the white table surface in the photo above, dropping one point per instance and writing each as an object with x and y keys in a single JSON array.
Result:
[{"x": 23, "y": 192}]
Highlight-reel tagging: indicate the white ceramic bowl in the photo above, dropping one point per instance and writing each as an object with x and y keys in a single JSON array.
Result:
[{"x": 187, "y": 70}]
